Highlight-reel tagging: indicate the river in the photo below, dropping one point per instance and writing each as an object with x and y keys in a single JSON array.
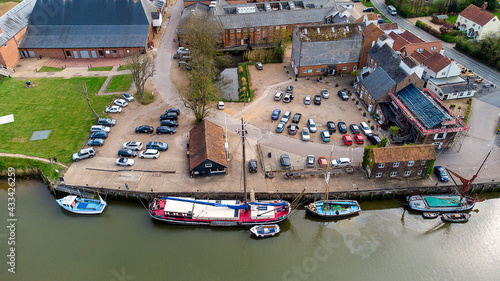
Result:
[{"x": 385, "y": 242}]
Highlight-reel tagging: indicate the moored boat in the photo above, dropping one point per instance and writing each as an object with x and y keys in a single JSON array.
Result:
[
  {"x": 333, "y": 209},
  {"x": 79, "y": 205},
  {"x": 430, "y": 215},
  {"x": 455, "y": 217},
  {"x": 265, "y": 230},
  {"x": 441, "y": 203}
]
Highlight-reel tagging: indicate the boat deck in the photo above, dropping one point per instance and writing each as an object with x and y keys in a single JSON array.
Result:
[{"x": 443, "y": 201}]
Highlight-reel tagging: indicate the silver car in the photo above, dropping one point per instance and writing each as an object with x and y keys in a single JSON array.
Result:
[
  {"x": 307, "y": 99},
  {"x": 285, "y": 117},
  {"x": 133, "y": 145},
  {"x": 306, "y": 136}
]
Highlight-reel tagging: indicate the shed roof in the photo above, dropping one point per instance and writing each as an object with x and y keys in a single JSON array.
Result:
[
  {"x": 15, "y": 20},
  {"x": 391, "y": 154},
  {"x": 475, "y": 14},
  {"x": 206, "y": 142}
]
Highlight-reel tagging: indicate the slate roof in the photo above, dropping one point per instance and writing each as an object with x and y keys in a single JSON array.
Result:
[
  {"x": 89, "y": 24},
  {"x": 206, "y": 141},
  {"x": 15, "y": 20},
  {"x": 391, "y": 154},
  {"x": 389, "y": 60},
  {"x": 475, "y": 14},
  {"x": 454, "y": 84},
  {"x": 378, "y": 83},
  {"x": 436, "y": 62}
]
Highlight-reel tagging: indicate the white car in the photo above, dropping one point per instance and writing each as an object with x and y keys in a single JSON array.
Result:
[
  {"x": 99, "y": 128},
  {"x": 121, "y": 102},
  {"x": 365, "y": 129},
  {"x": 325, "y": 94},
  {"x": 149, "y": 153},
  {"x": 128, "y": 97},
  {"x": 124, "y": 162},
  {"x": 133, "y": 145},
  {"x": 307, "y": 99},
  {"x": 285, "y": 117},
  {"x": 306, "y": 136},
  {"x": 341, "y": 162},
  {"x": 113, "y": 109},
  {"x": 220, "y": 105},
  {"x": 311, "y": 125}
]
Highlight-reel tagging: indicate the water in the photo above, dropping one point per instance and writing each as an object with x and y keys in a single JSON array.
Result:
[{"x": 124, "y": 243}]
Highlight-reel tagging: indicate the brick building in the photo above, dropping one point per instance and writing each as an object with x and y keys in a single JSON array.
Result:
[{"x": 400, "y": 162}]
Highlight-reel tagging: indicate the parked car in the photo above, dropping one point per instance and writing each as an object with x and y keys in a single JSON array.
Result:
[
  {"x": 310, "y": 161},
  {"x": 307, "y": 100},
  {"x": 278, "y": 96},
  {"x": 322, "y": 162},
  {"x": 317, "y": 99},
  {"x": 354, "y": 128},
  {"x": 100, "y": 128},
  {"x": 106, "y": 122},
  {"x": 169, "y": 122},
  {"x": 374, "y": 139},
  {"x": 133, "y": 145},
  {"x": 113, "y": 109},
  {"x": 280, "y": 127},
  {"x": 286, "y": 116},
  {"x": 368, "y": 10},
  {"x": 285, "y": 161},
  {"x": 311, "y": 125},
  {"x": 124, "y": 162},
  {"x": 144, "y": 129},
  {"x": 252, "y": 166},
  {"x": 165, "y": 130},
  {"x": 342, "y": 127},
  {"x": 347, "y": 139},
  {"x": 99, "y": 135},
  {"x": 276, "y": 114},
  {"x": 149, "y": 153},
  {"x": 289, "y": 89},
  {"x": 292, "y": 129},
  {"x": 96, "y": 142},
  {"x": 325, "y": 94},
  {"x": 84, "y": 154},
  {"x": 358, "y": 138},
  {"x": 174, "y": 110},
  {"x": 365, "y": 129},
  {"x": 296, "y": 118},
  {"x": 341, "y": 162},
  {"x": 158, "y": 145},
  {"x": 128, "y": 97},
  {"x": 306, "y": 136},
  {"x": 441, "y": 173},
  {"x": 120, "y": 102},
  {"x": 127, "y": 153},
  {"x": 381, "y": 20},
  {"x": 288, "y": 98},
  {"x": 220, "y": 105},
  {"x": 169, "y": 115},
  {"x": 343, "y": 95},
  {"x": 258, "y": 66},
  {"x": 325, "y": 136},
  {"x": 330, "y": 125}
]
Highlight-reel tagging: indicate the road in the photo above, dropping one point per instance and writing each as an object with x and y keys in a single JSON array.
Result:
[{"x": 482, "y": 70}]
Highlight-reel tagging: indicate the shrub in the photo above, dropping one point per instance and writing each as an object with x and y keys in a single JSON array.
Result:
[
  {"x": 295, "y": 78},
  {"x": 364, "y": 113},
  {"x": 357, "y": 102},
  {"x": 336, "y": 84},
  {"x": 372, "y": 126}
]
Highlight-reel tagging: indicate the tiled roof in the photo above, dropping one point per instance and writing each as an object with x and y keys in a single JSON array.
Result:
[
  {"x": 388, "y": 26},
  {"x": 410, "y": 48},
  {"x": 206, "y": 141},
  {"x": 475, "y": 14},
  {"x": 372, "y": 16},
  {"x": 418, "y": 57},
  {"x": 436, "y": 62},
  {"x": 15, "y": 20},
  {"x": 410, "y": 37},
  {"x": 372, "y": 28},
  {"x": 391, "y": 154},
  {"x": 399, "y": 42}
]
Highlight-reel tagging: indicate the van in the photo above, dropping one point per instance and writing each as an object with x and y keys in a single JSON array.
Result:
[
  {"x": 99, "y": 128},
  {"x": 391, "y": 10},
  {"x": 84, "y": 153}
]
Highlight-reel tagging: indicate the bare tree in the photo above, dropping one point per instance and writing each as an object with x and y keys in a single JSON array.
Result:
[
  {"x": 143, "y": 67},
  {"x": 86, "y": 96}
]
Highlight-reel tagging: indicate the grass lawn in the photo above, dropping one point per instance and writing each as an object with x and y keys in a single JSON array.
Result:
[
  {"x": 53, "y": 104},
  {"x": 148, "y": 98},
  {"x": 452, "y": 19},
  {"x": 50, "y": 69},
  {"x": 101, "y": 68},
  {"x": 28, "y": 166},
  {"x": 120, "y": 83},
  {"x": 125, "y": 67}
]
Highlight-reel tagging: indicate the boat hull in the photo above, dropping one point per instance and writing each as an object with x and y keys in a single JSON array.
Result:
[
  {"x": 265, "y": 230},
  {"x": 445, "y": 203},
  {"x": 83, "y": 206},
  {"x": 338, "y": 209},
  {"x": 455, "y": 217}
]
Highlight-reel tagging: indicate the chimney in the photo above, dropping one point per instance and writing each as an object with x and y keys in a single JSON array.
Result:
[{"x": 483, "y": 8}]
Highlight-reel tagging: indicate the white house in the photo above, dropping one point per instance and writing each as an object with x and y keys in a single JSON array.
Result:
[
  {"x": 476, "y": 22},
  {"x": 439, "y": 66},
  {"x": 451, "y": 88}
]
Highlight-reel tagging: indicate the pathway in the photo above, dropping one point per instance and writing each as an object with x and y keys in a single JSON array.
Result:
[{"x": 15, "y": 155}]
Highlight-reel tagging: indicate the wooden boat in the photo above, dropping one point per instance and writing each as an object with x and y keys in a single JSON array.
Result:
[
  {"x": 79, "y": 205},
  {"x": 455, "y": 217},
  {"x": 265, "y": 230},
  {"x": 441, "y": 203},
  {"x": 430, "y": 215}
]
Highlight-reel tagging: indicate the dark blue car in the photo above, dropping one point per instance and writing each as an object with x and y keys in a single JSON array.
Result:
[
  {"x": 276, "y": 114},
  {"x": 99, "y": 135},
  {"x": 441, "y": 173},
  {"x": 342, "y": 127}
]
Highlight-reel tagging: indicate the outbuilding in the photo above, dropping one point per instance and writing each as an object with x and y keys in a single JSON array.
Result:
[{"x": 207, "y": 154}]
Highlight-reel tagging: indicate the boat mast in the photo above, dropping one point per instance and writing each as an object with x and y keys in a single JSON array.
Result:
[
  {"x": 465, "y": 182},
  {"x": 327, "y": 176},
  {"x": 243, "y": 163}
]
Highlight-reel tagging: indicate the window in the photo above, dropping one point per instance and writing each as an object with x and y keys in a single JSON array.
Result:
[
  {"x": 322, "y": 69},
  {"x": 419, "y": 50},
  {"x": 381, "y": 165},
  {"x": 440, "y": 136},
  {"x": 208, "y": 165},
  {"x": 68, "y": 54},
  {"x": 238, "y": 30},
  {"x": 305, "y": 70},
  {"x": 393, "y": 174},
  {"x": 395, "y": 164},
  {"x": 419, "y": 172},
  {"x": 310, "y": 71},
  {"x": 378, "y": 175},
  {"x": 423, "y": 162},
  {"x": 231, "y": 31},
  {"x": 114, "y": 52},
  {"x": 318, "y": 70},
  {"x": 107, "y": 52},
  {"x": 344, "y": 68},
  {"x": 101, "y": 54},
  {"x": 407, "y": 173},
  {"x": 410, "y": 163}
]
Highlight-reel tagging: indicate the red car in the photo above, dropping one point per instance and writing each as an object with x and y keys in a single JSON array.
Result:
[
  {"x": 359, "y": 139},
  {"x": 323, "y": 163},
  {"x": 347, "y": 139}
]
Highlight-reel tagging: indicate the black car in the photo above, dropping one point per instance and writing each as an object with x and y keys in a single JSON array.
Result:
[
  {"x": 158, "y": 145},
  {"x": 296, "y": 118},
  {"x": 169, "y": 115},
  {"x": 292, "y": 129},
  {"x": 354, "y": 128},
  {"x": 252, "y": 166},
  {"x": 342, "y": 127},
  {"x": 374, "y": 139},
  {"x": 165, "y": 130},
  {"x": 99, "y": 135},
  {"x": 330, "y": 125},
  {"x": 317, "y": 99},
  {"x": 106, "y": 122},
  {"x": 285, "y": 161},
  {"x": 144, "y": 129},
  {"x": 169, "y": 122},
  {"x": 176, "y": 110},
  {"x": 127, "y": 153},
  {"x": 343, "y": 95}
]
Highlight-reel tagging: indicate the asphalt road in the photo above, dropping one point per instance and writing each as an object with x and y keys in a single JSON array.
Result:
[{"x": 480, "y": 69}]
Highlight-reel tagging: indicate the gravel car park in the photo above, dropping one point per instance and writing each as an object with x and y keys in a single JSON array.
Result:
[{"x": 144, "y": 129}]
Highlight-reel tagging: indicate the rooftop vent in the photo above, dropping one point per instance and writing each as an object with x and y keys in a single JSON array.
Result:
[
  {"x": 319, "y": 31},
  {"x": 305, "y": 31},
  {"x": 333, "y": 29},
  {"x": 246, "y": 10}
]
